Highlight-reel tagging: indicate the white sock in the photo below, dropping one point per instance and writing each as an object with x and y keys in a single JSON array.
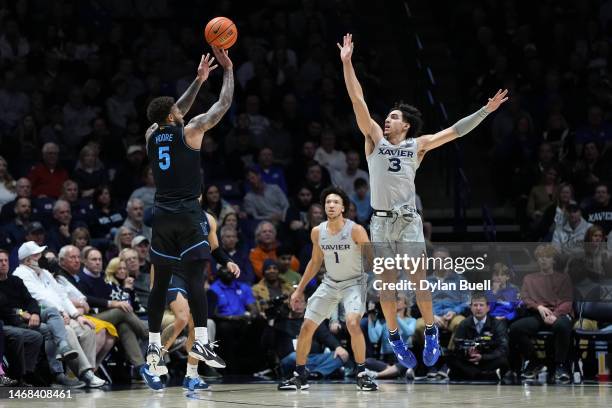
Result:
[
  {"x": 192, "y": 370},
  {"x": 155, "y": 338},
  {"x": 201, "y": 334}
]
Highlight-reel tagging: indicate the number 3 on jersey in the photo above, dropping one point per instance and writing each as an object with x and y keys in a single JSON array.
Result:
[
  {"x": 394, "y": 165},
  {"x": 164, "y": 157}
]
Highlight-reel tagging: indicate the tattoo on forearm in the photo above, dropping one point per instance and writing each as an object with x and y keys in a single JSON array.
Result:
[
  {"x": 216, "y": 112},
  {"x": 186, "y": 100}
]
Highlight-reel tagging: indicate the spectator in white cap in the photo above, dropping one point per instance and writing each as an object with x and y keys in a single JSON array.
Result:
[
  {"x": 78, "y": 333},
  {"x": 51, "y": 322}
]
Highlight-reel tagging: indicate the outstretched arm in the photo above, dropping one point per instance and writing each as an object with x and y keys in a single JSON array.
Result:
[
  {"x": 194, "y": 131},
  {"x": 370, "y": 129},
  {"x": 463, "y": 126},
  {"x": 204, "y": 69}
]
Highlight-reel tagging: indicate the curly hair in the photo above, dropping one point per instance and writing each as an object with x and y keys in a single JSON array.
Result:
[
  {"x": 159, "y": 109},
  {"x": 412, "y": 116},
  {"x": 338, "y": 191}
]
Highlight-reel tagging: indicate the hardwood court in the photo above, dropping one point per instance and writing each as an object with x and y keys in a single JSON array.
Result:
[{"x": 391, "y": 394}]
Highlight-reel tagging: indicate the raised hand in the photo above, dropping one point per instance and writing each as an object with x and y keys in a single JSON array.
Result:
[
  {"x": 223, "y": 57},
  {"x": 496, "y": 101},
  {"x": 206, "y": 66},
  {"x": 346, "y": 49}
]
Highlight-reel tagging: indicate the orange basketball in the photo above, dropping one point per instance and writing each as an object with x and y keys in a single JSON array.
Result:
[{"x": 221, "y": 32}]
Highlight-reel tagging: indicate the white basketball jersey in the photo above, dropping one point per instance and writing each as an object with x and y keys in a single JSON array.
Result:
[
  {"x": 392, "y": 171},
  {"x": 342, "y": 256}
]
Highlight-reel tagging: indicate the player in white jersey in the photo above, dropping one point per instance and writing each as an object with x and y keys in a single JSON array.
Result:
[
  {"x": 393, "y": 155},
  {"x": 337, "y": 243}
]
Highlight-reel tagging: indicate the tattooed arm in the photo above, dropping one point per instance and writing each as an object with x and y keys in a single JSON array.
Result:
[
  {"x": 204, "y": 69},
  {"x": 194, "y": 131}
]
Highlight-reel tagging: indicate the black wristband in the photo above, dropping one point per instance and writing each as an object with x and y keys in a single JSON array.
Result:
[{"x": 221, "y": 256}]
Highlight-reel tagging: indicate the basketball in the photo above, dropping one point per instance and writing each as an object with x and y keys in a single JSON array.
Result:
[{"x": 221, "y": 32}]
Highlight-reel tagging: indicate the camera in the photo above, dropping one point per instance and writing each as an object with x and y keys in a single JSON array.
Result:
[
  {"x": 276, "y": 307},
  {"x": 481, "y": 343}
]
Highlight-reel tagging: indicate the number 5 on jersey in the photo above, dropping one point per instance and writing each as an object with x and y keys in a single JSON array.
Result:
[{"x": 164, "y": 157}]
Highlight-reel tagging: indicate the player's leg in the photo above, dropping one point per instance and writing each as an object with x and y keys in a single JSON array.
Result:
[
  {"x": 192, "y": 380},
  {"x": 320, "y": 306},
  {"x": 202, "y": 349},
  {"x": 180, "y": 308},
  {"x": 156, "y": 305},
  {"x": 299, "y": 381}
]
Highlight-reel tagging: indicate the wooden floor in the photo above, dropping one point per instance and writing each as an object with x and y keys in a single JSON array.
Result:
[{"x": 391, "y": 394}]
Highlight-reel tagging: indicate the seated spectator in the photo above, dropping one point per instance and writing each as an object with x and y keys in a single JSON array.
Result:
[
  {"x": 105, "y": 216},
  {"x": 129, "y": 175},
  {"x": 135, "y": 217},
  {"x": 122, "y": 285},
  {"x": 266, "y": 244},
  {"x": 556, "y": 214},
  {"x": 270, "y": 287},
  {"x": 327, "y": 155},
  {"x": 216, "y": 206},
  {"x": 448, "y": 306},
  {"x": 140, "y": 273},
  {"x": 542, "y": 195},
  {"x": 47, "y": 178},
  {"x": 300, "y": 237},
  {"x": 600, "y": 210},
  {"x": 146, "y": 193},
  {"x": 80, "y": 237},
  {"x": 269, "y": 172},
  {"x": 22, "y": 344},
  {"x": 589, "y": 170},
  {"x": 386, "y": 366},
  {"x": 547, "y": 294},
  {"x": 232, "y": 306},
  {"x": 319, "y": 363},
  {"x": 123, "y": 239},
  {"x": 346, "y": 179},
  {"x": 298, "y": 209},
  {"x": 315, "y": 180},
  {"x": 590, "y": 264},
  {"x": 141, "y": 245},
  {"x": 120, "y": 313},
  {"x": 480, "y": 362},
  {"x": 298, "y": 164},
  {"x": 7, "y": 184},
  {"x": 229, "y": 241},
  {"x": 67, "y": 275},
  {"x": 504, "y": 296},
  {"x": 79, "y": 207},
  {"x": 33, "y": 232},
  {"x": 264, "y": 201},
  {"x": 573, "y": 230},
  {"x": 77, "y": 339},
  {"x": 89, "y": 172},
  {"x": 23, "y": 189},
  {"x": 61, "y": 226},
  {"x": 16, "y": 229},
  {"x": 105, "y": 332},
  {"x": 285, "y": 255},
  {"x": 361, "y": 198}
]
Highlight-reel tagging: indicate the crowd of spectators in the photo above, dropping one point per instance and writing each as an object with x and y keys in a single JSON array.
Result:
[{"x": 74, "y": 178}]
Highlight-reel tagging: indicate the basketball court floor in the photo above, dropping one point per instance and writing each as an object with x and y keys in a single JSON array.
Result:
[{"x": 391, "y": 394}]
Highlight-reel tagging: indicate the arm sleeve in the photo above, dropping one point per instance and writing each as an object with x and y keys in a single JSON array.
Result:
[
  {"x": 62, "y": 295},
  {"x": 467, "y": 124}
]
